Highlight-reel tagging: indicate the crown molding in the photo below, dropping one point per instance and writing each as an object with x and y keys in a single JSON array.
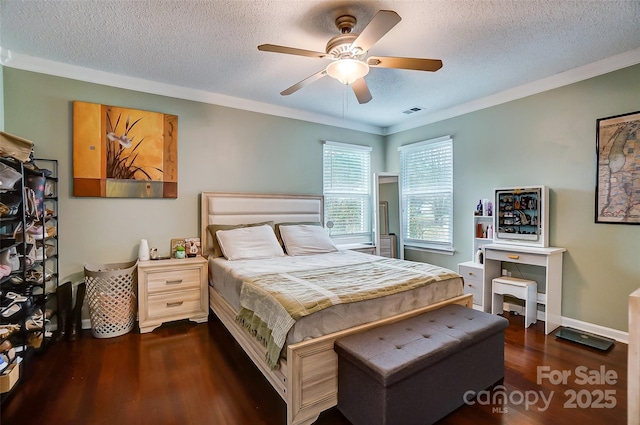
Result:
[
  {"x": 30, "y": 63},
  {"x": 44, "y": 66},
  {"x": 613, "y": 63}
]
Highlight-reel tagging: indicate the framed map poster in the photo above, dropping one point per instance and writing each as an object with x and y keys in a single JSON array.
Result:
[{"x": 618, "y": 169}]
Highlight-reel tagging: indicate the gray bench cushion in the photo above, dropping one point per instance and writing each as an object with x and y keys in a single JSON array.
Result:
[{"x": 392, "y": 352}]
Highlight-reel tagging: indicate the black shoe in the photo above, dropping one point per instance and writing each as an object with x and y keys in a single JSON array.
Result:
[
  {"x": 63, "y": 301},
  {"x": 75, "y": 329}
]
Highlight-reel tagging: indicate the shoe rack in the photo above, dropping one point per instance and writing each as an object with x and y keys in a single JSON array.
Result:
[{"x": 29, "y": 243}]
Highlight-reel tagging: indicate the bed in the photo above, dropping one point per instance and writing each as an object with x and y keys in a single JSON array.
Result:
[{"x": 306, "y": 373}]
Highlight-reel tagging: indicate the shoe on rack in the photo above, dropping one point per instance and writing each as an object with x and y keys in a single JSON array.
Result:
[
  {"x": 16, "y": 280},
  {"x": 35, "y": 322},
  {"x": 8, "y": 356},
  {"x": 32, "y": 168},
  {"x": 5, "y": 346},
  {"x": 15, "y": 297},
  {"x": 11, "y": 310},
  {"x": 35, "y": 339},
  {"x": 15, "y": 310},
  {"x": 7, "y": 330}
]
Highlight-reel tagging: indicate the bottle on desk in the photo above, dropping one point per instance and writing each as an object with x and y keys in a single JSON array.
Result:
[{"x": 479, "y": 256}]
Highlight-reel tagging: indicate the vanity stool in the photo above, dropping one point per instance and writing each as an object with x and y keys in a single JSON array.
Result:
[{"x": 523, "y": 289}]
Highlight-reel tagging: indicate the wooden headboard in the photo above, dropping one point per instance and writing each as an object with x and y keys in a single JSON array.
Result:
[{"x": 241, "y": 208}]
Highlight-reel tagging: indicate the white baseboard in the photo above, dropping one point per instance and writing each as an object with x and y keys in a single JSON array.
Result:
[{"x": 619, "y": 336}]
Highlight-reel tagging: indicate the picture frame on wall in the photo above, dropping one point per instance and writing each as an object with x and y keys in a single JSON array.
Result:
[
  {"x": 617, "y": 169},
  {"x": 120, "y": 152}
]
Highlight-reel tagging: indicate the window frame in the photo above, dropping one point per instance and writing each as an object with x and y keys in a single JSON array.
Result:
[
  {"x": 365, "y": 237},
  {"x": 431, "y": 245}
]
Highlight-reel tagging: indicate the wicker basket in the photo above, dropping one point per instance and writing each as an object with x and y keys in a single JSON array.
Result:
[{"x": 112, "y": 299}]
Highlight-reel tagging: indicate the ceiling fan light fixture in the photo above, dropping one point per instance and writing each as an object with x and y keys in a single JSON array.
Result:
[{"x": 347, "y": 70}]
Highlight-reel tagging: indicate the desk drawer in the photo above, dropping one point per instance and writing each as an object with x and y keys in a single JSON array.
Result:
[
  {"x": 173, "y": 280},
  {"x": 174, "y": 304},
  {"x": 515, "y": 257}
]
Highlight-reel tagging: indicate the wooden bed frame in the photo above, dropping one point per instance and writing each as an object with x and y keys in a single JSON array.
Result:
[{"x": 308, "y": 379}]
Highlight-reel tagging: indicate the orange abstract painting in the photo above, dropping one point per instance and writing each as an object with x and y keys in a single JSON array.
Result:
[{"x": 124, "y": 153}]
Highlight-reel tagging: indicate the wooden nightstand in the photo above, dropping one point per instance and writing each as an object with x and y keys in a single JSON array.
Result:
[{"x": 172, "y": 290}]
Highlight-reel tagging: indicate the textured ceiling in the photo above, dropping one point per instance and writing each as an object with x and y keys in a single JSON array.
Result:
[{"x": 486, "y": 46}]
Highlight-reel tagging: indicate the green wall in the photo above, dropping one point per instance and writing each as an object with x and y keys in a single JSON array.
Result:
[
  {"x": 547, "y": 139},
  {"x": 219, "y": 149},
  {"x": 1, "y": 98},
  {"x": 544, "y": 139}
]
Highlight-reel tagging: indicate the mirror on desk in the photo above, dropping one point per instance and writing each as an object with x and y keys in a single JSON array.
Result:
[{"x": 387, "y": 223}]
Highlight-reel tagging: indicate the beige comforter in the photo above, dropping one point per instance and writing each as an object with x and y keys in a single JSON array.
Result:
[{"x": 271, "y": 303}]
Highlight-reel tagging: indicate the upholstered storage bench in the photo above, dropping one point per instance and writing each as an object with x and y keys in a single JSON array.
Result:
[{"x": 416, "y": 371}]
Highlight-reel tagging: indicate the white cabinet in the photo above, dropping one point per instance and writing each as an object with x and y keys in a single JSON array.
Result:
[
  {"x": 172, "y": 290},
  {"x": 474, "y": 283},
  {"x": 472, "y": 271},
  {"x": 482, "y": 229},
  {"x": 388, "y": 246}
]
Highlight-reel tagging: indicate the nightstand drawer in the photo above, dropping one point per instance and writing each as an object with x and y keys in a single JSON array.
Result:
[
  {"x": 174, "y": 304},
  {"x": 173, "y": 280}
]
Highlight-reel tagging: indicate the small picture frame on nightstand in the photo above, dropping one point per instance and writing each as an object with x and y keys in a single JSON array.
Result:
[
  {"x": 192, "y": 246},
  {"x": 176, "y": 243}
]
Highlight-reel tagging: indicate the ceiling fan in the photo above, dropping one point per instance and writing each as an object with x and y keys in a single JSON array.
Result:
[{"x": 348, "y": 53}]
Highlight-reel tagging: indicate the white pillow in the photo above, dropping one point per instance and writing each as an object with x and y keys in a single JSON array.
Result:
[
  {"x": 304, "y": 239},
  {"x": 249, "y": 243}
]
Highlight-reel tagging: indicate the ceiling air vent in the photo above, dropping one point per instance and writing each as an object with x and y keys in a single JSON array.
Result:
[{"x": 413, "y": 110}]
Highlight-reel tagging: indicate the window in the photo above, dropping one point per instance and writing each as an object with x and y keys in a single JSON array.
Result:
[
  {"x": 347, "y": 191},
  {"x": 426, "y": 173}
]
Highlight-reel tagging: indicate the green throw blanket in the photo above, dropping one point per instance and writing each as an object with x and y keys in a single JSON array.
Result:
[{"x": 271, "y": 303}]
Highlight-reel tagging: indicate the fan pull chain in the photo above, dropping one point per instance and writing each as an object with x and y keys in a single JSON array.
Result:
[{"x": 345, "y": 100}]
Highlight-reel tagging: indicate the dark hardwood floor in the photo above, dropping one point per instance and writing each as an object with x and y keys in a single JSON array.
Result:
[{"x": 184, "y": 373}]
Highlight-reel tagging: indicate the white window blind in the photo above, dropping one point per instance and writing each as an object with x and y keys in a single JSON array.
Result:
[
  {"x": 347, "y": 191},
  {"x": 426, "y": 172}
]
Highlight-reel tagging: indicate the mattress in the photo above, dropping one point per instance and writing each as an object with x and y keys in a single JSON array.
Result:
[{"x": 227, "y": 277}]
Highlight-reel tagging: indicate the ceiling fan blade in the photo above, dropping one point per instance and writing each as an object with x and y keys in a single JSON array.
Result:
[
  {"x": 376, "y": 29},
  {"x": 294, "y": 88},
  {"x": 291, "y": 51},
  {"x": 405, "y": 63},
  {"x": 361, "y": 90}
]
